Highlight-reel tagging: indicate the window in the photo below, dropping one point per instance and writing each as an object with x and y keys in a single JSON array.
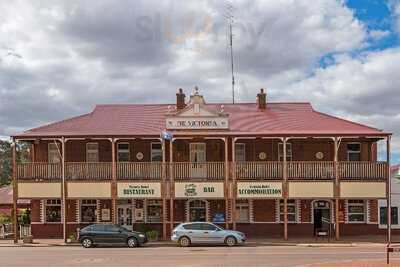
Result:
[
  {"x": 193, "y": 226},
  {"x": 288, "y": 151},
  {"x": 124, "y": 153},
  {"x": 242, "y": 211},
  {"x": 112, "y": 228},
  {"x": 156, "y": 152},
  {"x": 53, "y": 210},
  {"x": 209, "y": 227},
  {"x": 92, "y": 152},
  {"x": 88, "y": 210},
  {"x": 240, "y": 152},
  {"x": 394, "y": 216},
  {"x": 356, "y": 210},
  {"x": 154, "y": 211},
  {"x": 291, "y": 210},
  {"x": 54, "y": 153},
  {"x": 354, "y": 151}
]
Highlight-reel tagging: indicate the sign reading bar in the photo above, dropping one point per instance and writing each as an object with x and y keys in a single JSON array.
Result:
[
  {"x": 197, "y": 189},
  {"x": 139, "y": 190},
  {"x": 259, "y": 190},
  {"x": 198, "y": 123}
]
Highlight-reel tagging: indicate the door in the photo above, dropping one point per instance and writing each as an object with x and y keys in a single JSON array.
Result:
[
  {"x": 125, "y": 216},
  {"x": 197, "y": 211},
  {"x": 212, "y": 234},
  {"x": 322, "y": 216},
  {"x": 198, "y": 158}
]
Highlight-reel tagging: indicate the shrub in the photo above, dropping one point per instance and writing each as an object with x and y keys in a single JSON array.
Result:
[
  {"x": 152, "y": 235},
  {"x": 4, "y": 218}
]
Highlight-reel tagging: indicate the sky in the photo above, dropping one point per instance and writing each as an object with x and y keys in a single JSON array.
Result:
[{"x": 59, "y": 59}]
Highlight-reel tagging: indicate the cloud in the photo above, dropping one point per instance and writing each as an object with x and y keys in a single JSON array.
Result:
[{"x": 59, "y": 58}]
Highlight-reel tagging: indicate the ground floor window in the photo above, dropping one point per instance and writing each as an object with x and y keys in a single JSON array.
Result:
[
  {"x": 242, "y": 211},
  {"x": 356, "y": 210},
  {"x": 154, "y": 211},
  {"x": 291, "y": 210},
  {"x": 53, "y": 210},
  {"x": 383, "y": 215},
  {"x": 88, "y": 210}
]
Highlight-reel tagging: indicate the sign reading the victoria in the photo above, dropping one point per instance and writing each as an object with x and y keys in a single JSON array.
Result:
[
  {"x": 196, "y": 190},
  {"x": 197, "y": 123},
  {"x": 259, "y": 190},
  {"x": 139, "y": 190}
]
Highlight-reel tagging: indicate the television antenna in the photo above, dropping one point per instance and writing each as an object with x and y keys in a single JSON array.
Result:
[{"x": 229, "y": 17}]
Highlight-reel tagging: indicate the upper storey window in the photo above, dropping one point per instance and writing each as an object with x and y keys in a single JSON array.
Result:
[
  {"x": 240, "y": 152},
  {"x": 354, "y": 151},
  {"x": 54, "y": 153},
  {"x": 156, "y": 152},
  {"x": 92, "y": 152},
  {"x": 288, "y": 152},
  {"x": 124, "y": 154}
]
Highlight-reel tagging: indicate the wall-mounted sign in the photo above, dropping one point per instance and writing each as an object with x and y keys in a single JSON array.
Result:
[
  {"x": 199, "y": 190},
  {"x": 262, "y": 155},
  {"x": 139, "y": 215},
  {"x": 105, "y": 215},
  {"x": 197, "y": 123},
  {"x": 259, "y": 190},
  {"x": 139, "y": 190},
  {"x": 319, "y": 155},
  {"x": 139, "y": 156}
]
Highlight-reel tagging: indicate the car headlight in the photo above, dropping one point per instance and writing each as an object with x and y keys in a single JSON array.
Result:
[{"x": 141, "y": 235}]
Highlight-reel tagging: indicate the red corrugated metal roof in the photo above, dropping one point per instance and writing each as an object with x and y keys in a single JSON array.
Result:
[
  {"x": 6, "y": 196},
  {"x": 244, "y": 119}
]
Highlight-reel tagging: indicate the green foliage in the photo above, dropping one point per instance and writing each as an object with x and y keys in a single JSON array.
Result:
[
  {"x": 4, "y": 218},
  {"x": 152, "y": 235},
  {"x": 24, "y": 217},
  {"x": 6, "y": 159},
  {"x": 72, "y": 237},
  {"x": 144, "y": 228}
]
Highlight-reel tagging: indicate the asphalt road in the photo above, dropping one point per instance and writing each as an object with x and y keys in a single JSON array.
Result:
[{"x": 194, "y": 256}]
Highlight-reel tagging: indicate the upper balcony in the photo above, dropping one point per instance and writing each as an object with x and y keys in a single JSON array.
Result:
[{"x": 257, "y": 170}]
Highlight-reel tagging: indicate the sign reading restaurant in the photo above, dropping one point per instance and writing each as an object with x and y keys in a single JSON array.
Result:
[
  {"x": 139, "y": 190},
  {"x": 197, "y": 123},
  {"x": 196, "y": 189},
  {"x": 259, "y": 190}
]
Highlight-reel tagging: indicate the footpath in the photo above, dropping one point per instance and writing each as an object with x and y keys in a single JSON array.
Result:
[{"x": 362, "y": 241}]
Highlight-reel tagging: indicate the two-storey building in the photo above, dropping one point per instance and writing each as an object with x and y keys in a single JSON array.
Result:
[{"x": 267, "y": 169}]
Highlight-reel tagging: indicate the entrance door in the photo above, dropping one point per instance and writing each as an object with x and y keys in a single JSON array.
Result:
[
  {"x": 125, "y": 216},
  {"x": 322, "y": 216},
  {"x": 198, "y": 157},
  {"x": 197, "y": 211}
]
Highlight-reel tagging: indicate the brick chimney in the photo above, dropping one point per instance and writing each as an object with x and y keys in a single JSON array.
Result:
[
  {"x": 180, "y": 99},
  {"x": 261, "y": 99}
]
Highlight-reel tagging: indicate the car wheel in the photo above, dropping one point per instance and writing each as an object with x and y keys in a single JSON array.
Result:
[
  {"x": 132, "y": 242},
  {"x": 230, "y": 241},
  {"x": 87, "y": 243},
  {"x": 184, "y": 241}
]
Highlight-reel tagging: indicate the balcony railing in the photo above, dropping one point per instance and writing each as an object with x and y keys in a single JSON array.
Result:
[
  {"x": 209, "y": 170},
  {"x": 88, "y": 170},
  {"x": 362, "y": 170},
  {"x": 318, "y": 170},
  {"x": 45, "y": 171},
  {"x": 139, "y": 170},
  {"x": 302, "y": 170},
  {"x": 259, "y": 170}
]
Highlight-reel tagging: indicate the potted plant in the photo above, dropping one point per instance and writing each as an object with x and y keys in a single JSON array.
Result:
[{"x": 152, "y": 235}]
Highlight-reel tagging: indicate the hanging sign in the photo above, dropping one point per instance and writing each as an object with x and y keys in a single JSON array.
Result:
[
  {"x": 196, "y": 190},
  {"x": 139, "y": 190},
  {"x": 259, "y": 190}
]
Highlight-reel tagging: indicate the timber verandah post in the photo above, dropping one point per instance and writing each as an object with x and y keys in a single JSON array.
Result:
[
  {"x": 226, "y": 193},
  {"x": 113, "y": 181},
  {"x": 388, "y": 193},
  {"x": 171, "y": 185},
  {"x": 285, "y": 192},
  {"x": 63, "y": 190},
  {"x": 164, "y": 189},
  {"x": 234, "y": 185},
  {"x": 336, "y": 141},
  {"x": 15, "y": 190}
]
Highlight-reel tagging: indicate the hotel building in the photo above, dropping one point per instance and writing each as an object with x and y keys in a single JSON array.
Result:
[{"x": 267, "y": 169}]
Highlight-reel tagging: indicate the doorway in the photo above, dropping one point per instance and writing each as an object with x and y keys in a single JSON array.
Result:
[
  {"x": 322, "y": 215},
  {"x": 198, "y": 157},
  {"x": 125, "y": 216},
  {"x": 197, "y": 211}
]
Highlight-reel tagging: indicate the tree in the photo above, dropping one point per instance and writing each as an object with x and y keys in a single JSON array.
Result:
[
  {"x": 6, "y": 159},
  {"x": 5, "y": 162}
]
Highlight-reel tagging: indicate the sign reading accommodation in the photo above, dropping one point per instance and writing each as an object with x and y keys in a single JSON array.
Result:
[
  {"x": 139, "y": 190},
  {"x": 197, "y": 123},
  {"x": 196, "y": 190},
  {"x": 259, "y": 190}
]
